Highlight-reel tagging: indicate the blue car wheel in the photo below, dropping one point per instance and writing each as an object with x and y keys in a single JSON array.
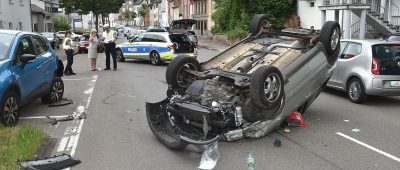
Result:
[{"x": 10, "y": 109}]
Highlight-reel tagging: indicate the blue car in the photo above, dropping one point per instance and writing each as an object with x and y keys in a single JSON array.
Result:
[{"x": 29, "y": 69}]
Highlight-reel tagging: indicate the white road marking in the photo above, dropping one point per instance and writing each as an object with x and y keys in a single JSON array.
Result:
[
  {"x": 74, "y": 131},
  {"x": 41, "y": 117},
  {"x": 62, "y": 144},
  {"x": 369, "y": 147},
  {"x": 77, "y": 79}
]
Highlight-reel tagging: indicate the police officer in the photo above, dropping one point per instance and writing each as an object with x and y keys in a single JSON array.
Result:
[
  {"x": 110, "y": 37},
  {"x": 69, "y": 51}
]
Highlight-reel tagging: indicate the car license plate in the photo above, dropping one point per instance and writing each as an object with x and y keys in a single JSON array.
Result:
[
  {"x": 132, "y": 49},
  {"x": 395, "y": 83}
]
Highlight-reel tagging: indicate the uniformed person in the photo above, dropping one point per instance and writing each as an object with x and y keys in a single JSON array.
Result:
[
  {"x": 110, "y": 37},
  {"x": 69, "y": 51}
]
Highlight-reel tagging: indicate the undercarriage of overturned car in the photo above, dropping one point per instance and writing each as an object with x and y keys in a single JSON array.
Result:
[{"x": 248, "y": 90}]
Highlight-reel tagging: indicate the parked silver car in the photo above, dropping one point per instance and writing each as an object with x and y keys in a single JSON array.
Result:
[{"x": 367, "y": 67}]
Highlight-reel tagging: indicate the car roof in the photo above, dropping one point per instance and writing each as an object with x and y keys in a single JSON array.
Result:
[
  {"x": 10, "y": 32},
  {"x": 372, "y": 42}
]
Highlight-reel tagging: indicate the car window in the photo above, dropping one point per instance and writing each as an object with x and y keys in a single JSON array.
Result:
[
  {"x": 25, "y": 46},
  {"x": 388, "y": 56},
  {"x": 161, "y": 38},
  {"x": 5, "y": 43},
  {"x": 150, "y": 38},
  {"x": 342, "y": 46},
  {"x": 394, "y": 38},
  {"x": 352, "y": 49},
  {"x": 41, "y": 47}
]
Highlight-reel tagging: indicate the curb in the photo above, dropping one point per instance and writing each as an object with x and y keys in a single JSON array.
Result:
[
  {"x": 211, "y": 48},
  {"x": 46, "y": 148}
]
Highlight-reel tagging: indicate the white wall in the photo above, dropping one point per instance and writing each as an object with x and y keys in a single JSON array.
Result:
[
  {"x": 311, "y": 16},
  {"x": 16, "y": 13}
]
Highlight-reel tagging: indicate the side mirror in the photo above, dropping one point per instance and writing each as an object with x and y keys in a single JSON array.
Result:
[{"x": 26, "y": 58}]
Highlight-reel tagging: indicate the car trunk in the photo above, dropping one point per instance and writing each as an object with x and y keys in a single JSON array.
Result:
[
  {"x": 182, "y": 43},
  {"x": 386, "y": 59}
]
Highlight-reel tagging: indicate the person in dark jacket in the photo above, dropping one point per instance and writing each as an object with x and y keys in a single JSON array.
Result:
[{"x": 69, "y": 51}]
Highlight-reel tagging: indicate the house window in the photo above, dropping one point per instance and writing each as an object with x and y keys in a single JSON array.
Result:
[
  {"x": 312, "y": 4},
  {"x": 21, "y": 2},
  {"x": 10, "y": 25},
  {"x": 11, "y": 1},
  {"x": 1, "y": 24},
  {"x": 20, "y": 26}
]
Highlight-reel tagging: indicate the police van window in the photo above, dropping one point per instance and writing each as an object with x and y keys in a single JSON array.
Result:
[
  {"x": 352, "y": 50},
  {"x": 41, "y": 47},
  {"x": 160, "y": 38}
]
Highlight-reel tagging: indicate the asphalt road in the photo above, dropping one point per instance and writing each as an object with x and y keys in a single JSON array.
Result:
[{"x": 115, "y": 135}]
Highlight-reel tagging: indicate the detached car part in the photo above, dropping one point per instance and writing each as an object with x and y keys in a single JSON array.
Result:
[
  {"x": 246, "y": 91},
  {"x": 56, "y": 162}
]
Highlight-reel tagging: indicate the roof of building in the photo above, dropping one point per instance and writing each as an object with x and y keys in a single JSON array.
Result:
[{"x": 37, "y": 9}]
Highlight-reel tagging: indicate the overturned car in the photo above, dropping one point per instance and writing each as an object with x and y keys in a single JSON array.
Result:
[{"x": 248, "y": 90}]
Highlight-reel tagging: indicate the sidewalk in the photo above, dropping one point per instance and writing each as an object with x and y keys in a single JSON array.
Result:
[{"x": 210, "y": 45}]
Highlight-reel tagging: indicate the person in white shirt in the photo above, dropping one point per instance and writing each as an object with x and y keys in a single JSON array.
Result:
[
  {"x": 68, "y": 46},
  {"x": 110, "y": 37},
  {"x": 92, "y": 49}
]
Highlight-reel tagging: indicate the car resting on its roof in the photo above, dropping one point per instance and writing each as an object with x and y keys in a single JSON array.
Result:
[{"x": 248, "y": 90}]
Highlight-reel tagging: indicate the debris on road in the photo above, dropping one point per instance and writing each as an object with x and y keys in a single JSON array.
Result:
[
  {"x": 296, "y": 120},
  {"x": 277, "y": 143},
  {"x": 210, "y": 157},
  {"x": 63, "y": 102},
  {"x": 55, "y": 120},
  {"x": 251, "y": 162},
  {"x": 56, "y": 162},
  {"x": 286, "y": 129},
  {"x": 355, "y": 130},
  {"x": 346, "y": 120}
]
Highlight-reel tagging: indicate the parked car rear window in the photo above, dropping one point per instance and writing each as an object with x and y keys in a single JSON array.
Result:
[
  {"x": 352, "y": 50},
  {"x": 5, "y": 43},
  {"x": 388, "y": 56},
  {"x": 394, "y": 38},
  {"x": 42, "y": 47}
]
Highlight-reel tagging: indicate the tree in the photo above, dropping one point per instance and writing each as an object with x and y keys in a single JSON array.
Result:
[
  {"x": 97, "y": 7},
  {"x": 61, "y": 23},
  {"x": 143, "y": 10}
]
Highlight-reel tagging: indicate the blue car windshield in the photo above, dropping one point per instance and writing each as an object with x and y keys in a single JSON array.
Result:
[{"x": 5, "y": 43}]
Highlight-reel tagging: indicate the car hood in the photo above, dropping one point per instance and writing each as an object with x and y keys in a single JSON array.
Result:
[{"x": 177, "y": 26}]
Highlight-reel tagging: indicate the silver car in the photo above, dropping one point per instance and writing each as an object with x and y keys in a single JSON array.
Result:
[
  {"x": 249, "y": 89},
  {"x": 366, "y": 67}
]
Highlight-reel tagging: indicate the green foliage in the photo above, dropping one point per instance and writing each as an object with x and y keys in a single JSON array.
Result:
[
  {"x": 143, "y": 10},
  {"x": 234, "y": 16},
  {"x": 61, "y": 23},
  {"x": 235, "y": 33}
]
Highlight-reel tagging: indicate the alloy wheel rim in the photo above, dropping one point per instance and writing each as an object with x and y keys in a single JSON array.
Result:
[
  {"x": 10, "y": 111},
  {"x": 154, "y": 58},
  {"x": 180, "y": 76},
  {"x": 119, "y": 54},
  {"x": 355, "y": 90},
  {"x": 56, "y": 92},
  {"x": 335, "y": 38},
  {"x": 272, "y": 87}
]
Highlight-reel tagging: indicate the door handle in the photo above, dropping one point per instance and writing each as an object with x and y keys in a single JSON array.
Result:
[{"x": 308, "y": 95}]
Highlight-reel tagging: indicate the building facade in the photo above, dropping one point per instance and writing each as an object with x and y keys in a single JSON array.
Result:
[
  {"x": 42, "y": 13},
  {"x": 15, "y": 15}
]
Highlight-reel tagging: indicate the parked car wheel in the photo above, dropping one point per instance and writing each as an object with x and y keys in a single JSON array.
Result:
[
  {"x": 355, "y": 91},
  {"x": 155, "y": 58},
  {"x": 10, "y": 109},
  {"x": 175, "y": 71},
  {"x": 330, "y": 38},
  {"x": 266, "y": 87},
  {"x": 120, "y": 56},
  {"x": 56, "y": 92},
  {"x": 257, "y": 22}
]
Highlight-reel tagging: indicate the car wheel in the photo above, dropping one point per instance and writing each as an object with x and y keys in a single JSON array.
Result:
[
  {"x": 330, "y": 38},
  {"x": 76, "y": 38},
  {"x": 258, "y": 22},
  {"x": 120, "y": 56},
  {"x": 56, "y": 92},
  {"x": 162, "y": 128},
  {"x": 175, "y": 73},
  {"x": 10, "y": 109},
  {"x": 266, "y": 87},
  {"x": 155, "y": 58},
  {"x": 355, "y": 91}
]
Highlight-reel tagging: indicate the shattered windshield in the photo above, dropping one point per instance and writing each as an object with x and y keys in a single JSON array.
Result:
[{"x": 5, "y": 43}]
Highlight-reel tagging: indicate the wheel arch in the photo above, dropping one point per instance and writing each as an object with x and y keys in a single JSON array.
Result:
[
  {"x": 154, "y": 50},
  {"x": 352, "y": 77},
  {"x": 14, "y": 87}
]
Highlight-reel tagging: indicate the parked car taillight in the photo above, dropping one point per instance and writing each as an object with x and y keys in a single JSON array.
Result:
[
  {"x": 171, "y": 46},
  {"x": 375, "y": 66}
]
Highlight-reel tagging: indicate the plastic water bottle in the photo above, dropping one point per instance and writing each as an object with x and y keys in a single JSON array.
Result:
[{"x": 251, "y": 162}]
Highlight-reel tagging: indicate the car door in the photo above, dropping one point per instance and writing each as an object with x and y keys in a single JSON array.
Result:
[
  {"x": 334, "y": 81},
  {"x": 28, "y": 73},
  {"x": 347, "y": 61},
  {"x": 44, "y": 58}
]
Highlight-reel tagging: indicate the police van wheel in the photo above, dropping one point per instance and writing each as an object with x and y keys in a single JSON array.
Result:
[
  {"x": 120, "y": 56},
  {"x": 155, "y": 58}
]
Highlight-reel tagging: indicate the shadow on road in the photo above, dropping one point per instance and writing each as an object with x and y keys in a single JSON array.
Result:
[{"x": 371, "y": 101}]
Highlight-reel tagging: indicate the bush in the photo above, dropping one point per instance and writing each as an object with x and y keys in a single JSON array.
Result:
[
  {"x": 236, "y": 33},
  {"x": 61, "y": 23}
]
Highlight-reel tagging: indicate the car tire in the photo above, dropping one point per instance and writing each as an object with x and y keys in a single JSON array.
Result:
[
  {"x": 258, "y": 21},
  {"x": 355, "y": 91},
  {"x": 174, "y": 70},
  {"x": 76, "y": 39},
  {"x": 120, "y": 56},
  {"x": 173, "y": 143},
  {"x": 10, "y": 109},
  {"x": 330, "y": 38},
  {"x": 266, "y": 87},
  {"x": 155, "y": 58},
  {"x": 56, "y": 92}
]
